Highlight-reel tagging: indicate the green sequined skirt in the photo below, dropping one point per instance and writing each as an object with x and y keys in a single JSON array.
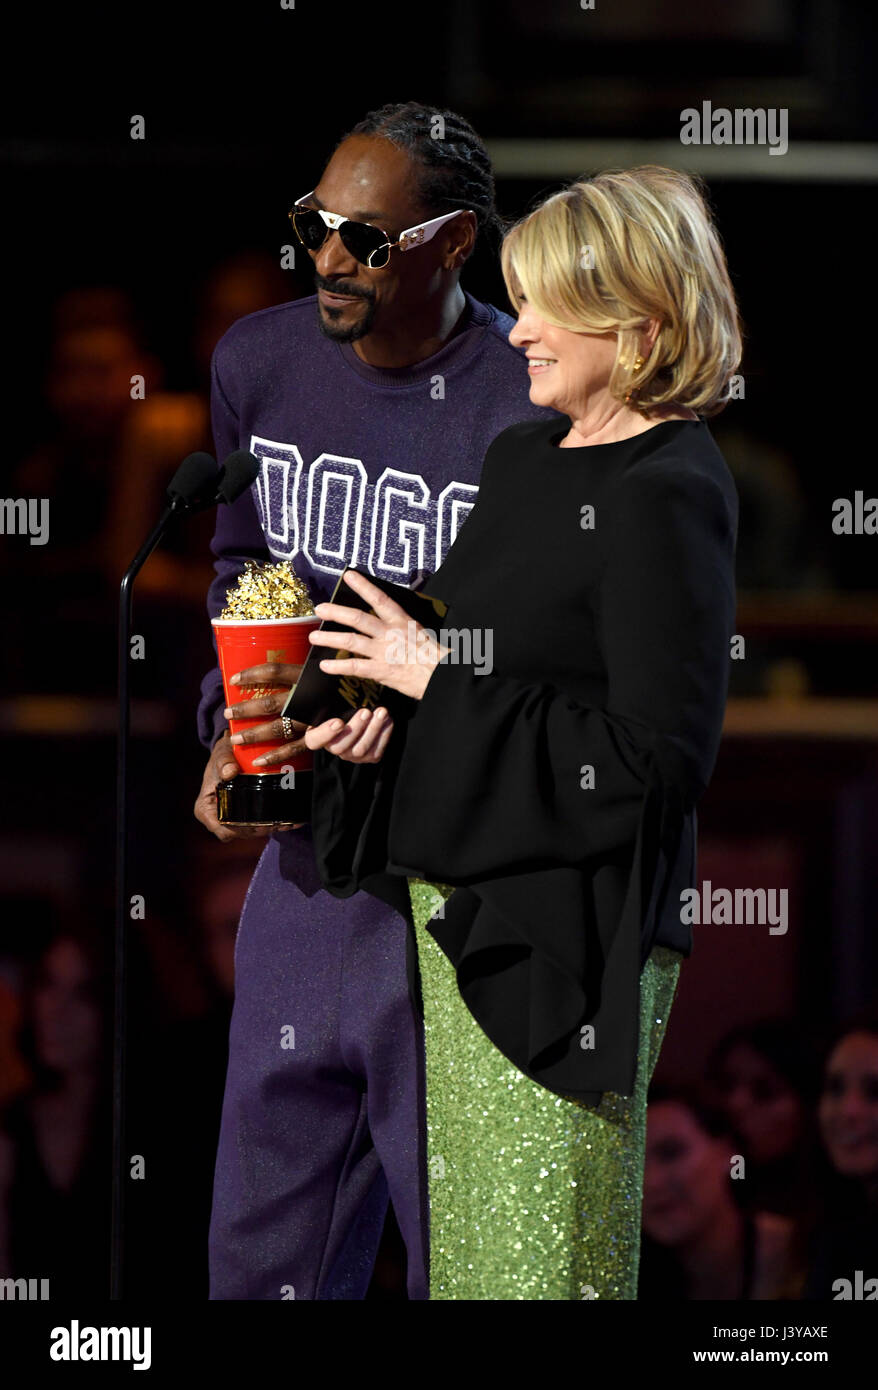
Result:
[{"x": 531, "y": 1195}]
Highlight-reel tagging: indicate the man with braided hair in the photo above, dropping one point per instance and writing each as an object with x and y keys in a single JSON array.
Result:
[{"x": 370, "y": 406}]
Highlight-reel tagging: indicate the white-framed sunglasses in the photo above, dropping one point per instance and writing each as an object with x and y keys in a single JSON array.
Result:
[{"x": 369, "y": 245}]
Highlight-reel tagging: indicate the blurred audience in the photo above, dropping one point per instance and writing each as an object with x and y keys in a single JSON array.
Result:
[
  {"x": 699, "y": 1240},
  {"x": 113, "y": 439},
  {"x": 773, "y": 550},
  {"x": 95, "y": 352},
  {"x": 55, "y": 1120},
  {"x": 240, "y": 285},
  {"x": 54, "y": 1156},
  {"x": 766, "y": 1077},
  {"x": 114, "y": 435},
  {"x": 844, "y": 1242}
]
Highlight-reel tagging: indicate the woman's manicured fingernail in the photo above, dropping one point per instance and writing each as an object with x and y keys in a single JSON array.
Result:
[
  {"x": 335, "y": 724},
  {"x": 233, "y": 680},
  {"x": 257, "y": 762},
  {"x": 236, "y": 738},
  {"x": 227, "y": 714},
  {"x": 381, "y": 711}
]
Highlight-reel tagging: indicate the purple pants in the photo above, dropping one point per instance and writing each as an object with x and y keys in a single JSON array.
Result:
[{"x": 324, "y": 1113}]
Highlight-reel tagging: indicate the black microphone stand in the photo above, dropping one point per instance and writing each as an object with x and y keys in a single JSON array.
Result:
[
  {"x": 179, "y": 506},
  {"x": 196, "y": 484}
]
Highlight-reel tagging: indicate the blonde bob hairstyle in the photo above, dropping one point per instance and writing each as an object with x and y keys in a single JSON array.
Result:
[{"x": 607, "y": 253}]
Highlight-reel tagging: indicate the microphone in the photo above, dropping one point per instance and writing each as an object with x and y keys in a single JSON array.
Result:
[
  {"x": 194, "y": 484},
  {"x": 199, "y": 484},
  {"x": 239, "y": 472}
]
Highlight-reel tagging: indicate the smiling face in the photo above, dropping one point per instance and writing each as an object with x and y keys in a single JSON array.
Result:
[
  {"x": 569, "y": 372},
  {"x": 848, "y": 1110},
  {"x": 369, "y": 179},
  {"x": 686, "y": 1176}
]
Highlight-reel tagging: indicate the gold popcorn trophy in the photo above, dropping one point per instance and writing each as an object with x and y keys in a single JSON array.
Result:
[{"x": 267, "y": 618}]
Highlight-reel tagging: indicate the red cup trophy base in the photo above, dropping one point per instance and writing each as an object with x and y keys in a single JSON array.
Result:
[{"x": 264, "y": 800}]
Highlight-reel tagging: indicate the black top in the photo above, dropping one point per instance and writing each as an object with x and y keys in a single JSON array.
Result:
[
  {"x": 662, "y": 1276},
  {"x": 610, "y": 651},
  {"x": 62, "y": 1235}
]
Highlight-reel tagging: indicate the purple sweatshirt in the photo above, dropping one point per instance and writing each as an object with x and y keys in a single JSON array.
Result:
[{"x": 372, "y": 466}]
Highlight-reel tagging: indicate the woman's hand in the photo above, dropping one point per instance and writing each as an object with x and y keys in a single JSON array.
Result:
[
  {"x": 362, "y": 739},
  {"x": 389, "y": 647}
]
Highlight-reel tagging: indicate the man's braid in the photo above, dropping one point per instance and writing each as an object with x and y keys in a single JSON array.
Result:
[{"x": 454, "y": 171}]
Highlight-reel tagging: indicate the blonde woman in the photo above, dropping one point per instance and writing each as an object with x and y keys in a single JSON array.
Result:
[{"x": 542, "y": 810}]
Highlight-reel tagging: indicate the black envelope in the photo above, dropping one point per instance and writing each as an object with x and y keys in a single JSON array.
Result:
[{"x": 318, "y": 696}]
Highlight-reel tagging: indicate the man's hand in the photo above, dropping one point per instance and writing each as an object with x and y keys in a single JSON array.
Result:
[
  {"x": 271, "y": 673},
  {"x": 221, "y": 766}
]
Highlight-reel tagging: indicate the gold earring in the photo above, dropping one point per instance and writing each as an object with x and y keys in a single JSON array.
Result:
[{"x": 635, "y": 367}]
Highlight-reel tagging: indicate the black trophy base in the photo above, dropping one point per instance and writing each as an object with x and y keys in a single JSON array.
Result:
[{"x": 264, "y": 800}]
